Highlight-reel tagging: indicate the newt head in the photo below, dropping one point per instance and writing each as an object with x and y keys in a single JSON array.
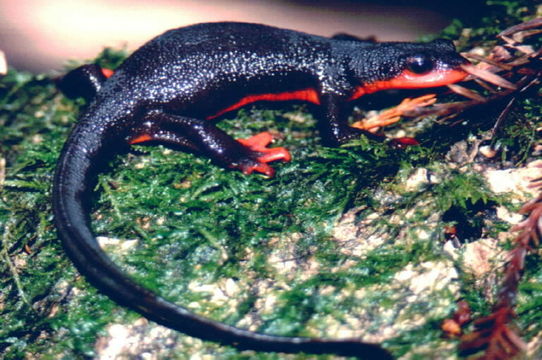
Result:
[{"x": 410, "y": 66}]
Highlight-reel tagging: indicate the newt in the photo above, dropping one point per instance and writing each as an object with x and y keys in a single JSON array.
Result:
[{"x": 172, "y": 89}]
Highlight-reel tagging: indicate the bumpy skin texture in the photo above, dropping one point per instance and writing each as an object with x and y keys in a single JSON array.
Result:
[{"x": 169, "y": 89}]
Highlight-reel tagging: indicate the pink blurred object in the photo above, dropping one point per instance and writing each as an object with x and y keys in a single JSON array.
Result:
[{"x": 42, "y": 35}]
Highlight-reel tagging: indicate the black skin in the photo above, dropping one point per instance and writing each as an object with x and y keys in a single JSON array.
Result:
[{"x": 166, "y": 91}]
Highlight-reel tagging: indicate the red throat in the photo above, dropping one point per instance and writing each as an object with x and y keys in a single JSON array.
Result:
[{"x": 409, "y": 80}]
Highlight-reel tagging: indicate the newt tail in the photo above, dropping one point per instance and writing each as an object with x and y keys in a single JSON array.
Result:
[{"x": 74, "y": 178}]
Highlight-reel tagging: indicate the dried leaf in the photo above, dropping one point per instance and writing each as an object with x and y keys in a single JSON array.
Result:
[
  {"x": 489, "y": 77},
  {"x": 487, "y": 60},
  {"x": 394, "y": 114},
  {"x": 461, "y": 90},
  {"x": 531, "y": 24}
]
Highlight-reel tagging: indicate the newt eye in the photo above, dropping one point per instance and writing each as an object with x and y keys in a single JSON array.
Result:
[{"x": 419, "y": 64}]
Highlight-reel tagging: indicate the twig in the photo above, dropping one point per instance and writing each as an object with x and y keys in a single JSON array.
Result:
[{"x": 5, "y": 254}]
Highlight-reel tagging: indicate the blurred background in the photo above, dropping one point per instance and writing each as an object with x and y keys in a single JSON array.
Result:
[{"x": 42, "y": 35}]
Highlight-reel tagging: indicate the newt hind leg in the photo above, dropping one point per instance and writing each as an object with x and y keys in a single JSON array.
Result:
[{"x": 248, "y": 155}]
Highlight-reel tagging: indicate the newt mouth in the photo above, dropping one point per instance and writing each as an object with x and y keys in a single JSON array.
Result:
[
  {"x": 410, "y": 80},
  {"x": 435, "y": 78}
]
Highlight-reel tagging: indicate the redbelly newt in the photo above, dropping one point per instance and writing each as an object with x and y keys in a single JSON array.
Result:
[{"x": 172, "y": 88}]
